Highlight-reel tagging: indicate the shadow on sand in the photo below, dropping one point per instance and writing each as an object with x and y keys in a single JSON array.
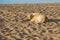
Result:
[{"x": 53, "y": 20}]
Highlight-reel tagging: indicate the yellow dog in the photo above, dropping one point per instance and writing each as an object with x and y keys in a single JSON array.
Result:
[{"x": 37, "y": 18}]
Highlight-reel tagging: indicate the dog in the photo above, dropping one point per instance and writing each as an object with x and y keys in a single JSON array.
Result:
[{"x": 37, "y": 17}]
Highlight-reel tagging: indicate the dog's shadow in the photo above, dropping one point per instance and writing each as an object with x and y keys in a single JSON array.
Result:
[{"x": 54, "y": 20}]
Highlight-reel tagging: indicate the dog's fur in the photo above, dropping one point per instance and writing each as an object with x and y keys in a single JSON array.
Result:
[{"x": 37, "y": 18}]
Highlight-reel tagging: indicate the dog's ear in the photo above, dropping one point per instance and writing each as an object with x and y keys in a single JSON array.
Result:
[{"x": 31, "y": 16}]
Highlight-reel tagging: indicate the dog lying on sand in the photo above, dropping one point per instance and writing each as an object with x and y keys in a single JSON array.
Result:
[{"x": 37, "y": 17}]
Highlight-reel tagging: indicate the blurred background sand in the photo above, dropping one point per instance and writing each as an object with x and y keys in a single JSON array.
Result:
[{"x": 13, "y": 26}]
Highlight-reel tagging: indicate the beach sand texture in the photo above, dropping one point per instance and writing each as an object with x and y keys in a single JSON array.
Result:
[{"x": 13, "y": 24}]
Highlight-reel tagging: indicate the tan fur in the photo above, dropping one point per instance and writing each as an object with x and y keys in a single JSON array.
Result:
[{"x": 37, "y": 17}]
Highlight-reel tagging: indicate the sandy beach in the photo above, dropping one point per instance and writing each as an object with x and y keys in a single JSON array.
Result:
[{"x": 14, "y": 27}]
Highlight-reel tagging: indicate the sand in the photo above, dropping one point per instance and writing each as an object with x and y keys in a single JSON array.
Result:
[{"x": 13, "y": 24}]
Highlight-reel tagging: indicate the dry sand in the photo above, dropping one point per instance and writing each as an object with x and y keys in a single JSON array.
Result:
[{"x": 14, "y": 27}]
